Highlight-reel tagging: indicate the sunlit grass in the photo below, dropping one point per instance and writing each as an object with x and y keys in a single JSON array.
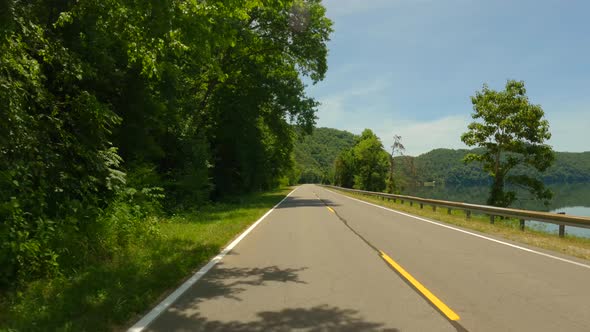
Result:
[
  {"x": 112, "y": 295},
  {"x": 506, "y": 228}
]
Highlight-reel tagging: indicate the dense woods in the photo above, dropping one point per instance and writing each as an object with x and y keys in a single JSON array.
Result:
[{"x": 112, "y": 111}]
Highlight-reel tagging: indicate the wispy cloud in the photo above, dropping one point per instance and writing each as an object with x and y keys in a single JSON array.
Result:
[
  {"x": 343, "y": 105},
  {"x": 408, "y": 67},
  {"x": 422, "y": 136}
]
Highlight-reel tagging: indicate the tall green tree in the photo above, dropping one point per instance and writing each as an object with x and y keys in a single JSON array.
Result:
[
  {"x": 512, "y": 132},
  {"x": 344, "y": 169},
  {"x": 102, "y": 98},
  {"x": 372, "y": 162}
]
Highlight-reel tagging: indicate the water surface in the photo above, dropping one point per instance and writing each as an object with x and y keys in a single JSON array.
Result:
[{"x": 572, "y": 199}]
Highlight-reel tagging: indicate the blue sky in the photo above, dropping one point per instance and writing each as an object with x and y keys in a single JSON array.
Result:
[{"x": 408, "y": 67}]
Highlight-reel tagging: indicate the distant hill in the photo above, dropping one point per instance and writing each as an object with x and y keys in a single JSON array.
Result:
[
  {"x": 445, "y": 165},
  {"x": 315, "y": 153}
]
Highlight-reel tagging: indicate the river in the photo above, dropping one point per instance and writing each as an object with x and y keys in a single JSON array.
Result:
[{"x": 572, "y": 199}]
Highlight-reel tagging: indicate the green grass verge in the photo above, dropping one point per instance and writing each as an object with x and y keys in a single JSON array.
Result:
[
  {"x": 506, "y": 228},
  {"x": 112, "y": 295}
]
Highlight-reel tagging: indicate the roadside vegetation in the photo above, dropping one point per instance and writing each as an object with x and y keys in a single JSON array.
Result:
[
  {"x": 506, "y": 228},
  {"x": 107, "y": 295},
  {"x": 117, "y": 115}
]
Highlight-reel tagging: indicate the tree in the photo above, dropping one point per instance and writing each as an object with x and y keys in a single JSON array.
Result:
[
  {"x": 399, "y": 148},
  {"x": 344, "y": 169},
  {"x": 371, "y": 162},
  {"x": 101, "y": 98},
  {"x": 512, "y": 132}
]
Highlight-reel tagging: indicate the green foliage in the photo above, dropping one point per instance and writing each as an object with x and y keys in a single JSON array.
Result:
[
  {"x": 364, "y": 166},
  {"x": 445, "y": 166},
  {"x": 103, "y": 296},
  {"x": 315, "y": 154},
  {"x": 345, "y": 169},
  {"x": 112, "y": 111},
  {"x": 511, "y": 132},
  {"x": 371, "y": 162}
]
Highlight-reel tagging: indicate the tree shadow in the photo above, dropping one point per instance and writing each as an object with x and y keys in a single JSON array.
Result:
[
  {"x": 103, "y": 295},
  {"x": 235, "y": 208},
  {"x": 228, "y": 282},
  {"x": 294, "y": 202},
  {"x": 316, "y": 319}
]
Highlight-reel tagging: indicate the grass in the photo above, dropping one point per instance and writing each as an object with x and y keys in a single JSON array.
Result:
[
  {"x": 506, "y": 228},
  {"x": 114, "y": 294}
]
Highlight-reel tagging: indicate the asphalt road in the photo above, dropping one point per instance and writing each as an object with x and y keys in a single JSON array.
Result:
[{"x": 322, "y": 261}]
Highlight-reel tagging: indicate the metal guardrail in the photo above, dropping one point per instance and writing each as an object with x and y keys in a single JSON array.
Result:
[{"x": 554, "y": 218}]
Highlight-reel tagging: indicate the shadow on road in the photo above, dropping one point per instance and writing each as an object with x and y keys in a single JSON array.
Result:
[
  {"x": 228, "y": 283},
  {"x": 293, "y": 202},
  {"x": 315, "y": 319}
]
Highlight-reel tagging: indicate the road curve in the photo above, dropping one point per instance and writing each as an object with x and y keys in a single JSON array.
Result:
[{"x": 322, "y": 261}]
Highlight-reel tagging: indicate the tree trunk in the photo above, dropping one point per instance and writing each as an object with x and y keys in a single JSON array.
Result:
[{"x": 497, "y": 192}]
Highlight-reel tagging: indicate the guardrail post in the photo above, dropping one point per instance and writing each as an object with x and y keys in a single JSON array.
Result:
[
  {"x": 484, "y": 210},
  {"x": 561, "y": 230}
]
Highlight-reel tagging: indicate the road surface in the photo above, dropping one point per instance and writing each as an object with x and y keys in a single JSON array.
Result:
[{"x": 322, "y": 261}]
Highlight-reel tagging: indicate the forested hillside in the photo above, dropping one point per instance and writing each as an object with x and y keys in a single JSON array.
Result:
[
  {"x": 315, "y": 153},
  {"x": 114, "y": 110},
  {"x": 446, "y": 166}
]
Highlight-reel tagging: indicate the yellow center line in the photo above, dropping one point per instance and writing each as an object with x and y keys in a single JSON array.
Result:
[
  {"x": 331, "y": 210},
  {"x": 431, "y": 297}
]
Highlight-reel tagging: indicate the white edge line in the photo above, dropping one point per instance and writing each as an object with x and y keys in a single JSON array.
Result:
[
  {"x": 467, "y": 232},
  {"x": 156, "y": 311}
]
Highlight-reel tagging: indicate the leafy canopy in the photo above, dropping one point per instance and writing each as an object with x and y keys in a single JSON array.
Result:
[
  {"x": 511, "y": 131},
  {"x": 106, "y": 103},
  {"x": 364, "y": 166}
]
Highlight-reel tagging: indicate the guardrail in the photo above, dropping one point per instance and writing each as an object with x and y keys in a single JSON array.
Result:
[{"x": 523, "y": 215}]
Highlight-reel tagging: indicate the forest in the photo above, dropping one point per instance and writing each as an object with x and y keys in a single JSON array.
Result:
[
  {"x": 446, "y": 166},
  {"x": 113, "y": 112},
  {"x": 315, "y": 154},
  {"x": 318, "y": 153}
]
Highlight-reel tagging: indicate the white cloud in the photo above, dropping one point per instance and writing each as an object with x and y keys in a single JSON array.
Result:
[
  {"x": 422, "y": 136},
  {"x": 357, "y": 108},
  {"x": 339, "y": 106}
]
